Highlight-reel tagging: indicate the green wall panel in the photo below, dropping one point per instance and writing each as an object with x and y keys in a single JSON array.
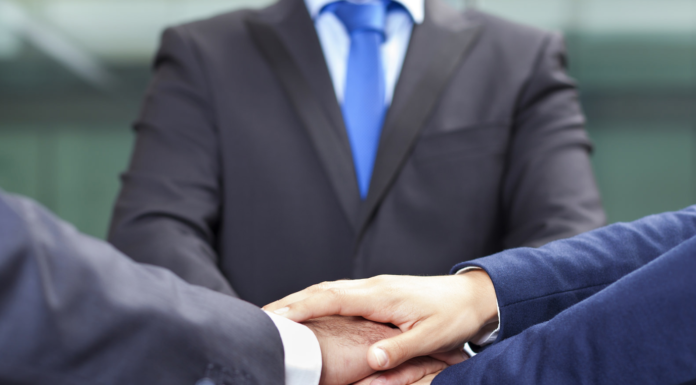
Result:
[
  {"x": 72, "y": 171},
  {"x": 644, "y": 169},
  {"x": 87, "y": 166},
  {"x": 632, "y": 61},
  {"x": 19, "y": 161}
]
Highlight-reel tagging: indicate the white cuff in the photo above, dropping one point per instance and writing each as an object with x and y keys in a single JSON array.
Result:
[
  {"x": 302, "y": 352},
  {"x": 490, "y": 337}
]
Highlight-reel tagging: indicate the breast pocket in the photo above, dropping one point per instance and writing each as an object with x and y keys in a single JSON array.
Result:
[{"x": 463, "y": 143}]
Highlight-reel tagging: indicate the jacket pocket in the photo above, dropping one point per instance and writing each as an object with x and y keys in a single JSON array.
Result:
[{"x": 472, "y": 141}]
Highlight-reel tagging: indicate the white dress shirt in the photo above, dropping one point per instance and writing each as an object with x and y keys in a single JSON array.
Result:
[
  {"x": 302, "y": 352},
  {"x": 335, "y": 41}
]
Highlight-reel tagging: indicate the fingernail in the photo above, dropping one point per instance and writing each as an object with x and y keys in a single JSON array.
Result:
[
  {"x": 282, "y": 310},
  {"x": 378, "y": 381},
  {"x": 380, "y": 356}
]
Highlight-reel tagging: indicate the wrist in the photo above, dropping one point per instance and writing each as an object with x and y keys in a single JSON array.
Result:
[
  {"x": 485, "y": 297},
  {"x": 322, "y": 341}
]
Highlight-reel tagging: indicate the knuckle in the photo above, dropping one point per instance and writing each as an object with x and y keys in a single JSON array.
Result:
[
  {"x": 319, "y": 287},
  {"x": 335, "y": 292},
  {"x": 378, "y": 278},
  {"x": 381, "y": 279}
]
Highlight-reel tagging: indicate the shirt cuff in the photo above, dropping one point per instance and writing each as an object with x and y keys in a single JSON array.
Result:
[
  {"x": 302, "y": 352},
  {"x": 490, "y": 336}
]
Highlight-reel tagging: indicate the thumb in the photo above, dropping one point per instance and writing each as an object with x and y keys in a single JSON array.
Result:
[{"x": 391, "y": 352}]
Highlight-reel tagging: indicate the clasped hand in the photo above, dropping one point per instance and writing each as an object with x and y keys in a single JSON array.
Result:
[{"x": 434, "y": 317}]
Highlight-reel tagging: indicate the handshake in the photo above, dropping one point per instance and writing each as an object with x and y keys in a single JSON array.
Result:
[
  {"x": 574, "y": 311},
  {"x": 393, "y": 330}
]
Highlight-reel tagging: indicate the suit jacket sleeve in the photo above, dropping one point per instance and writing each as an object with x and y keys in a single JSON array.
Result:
[
  {"x": 168, "y": 208},
  {"x": 534, "y": 285},
  {"x": 73, "y": 310},
  {"x": 639, "y": 330},
  {"x": 549, "y": 190}
]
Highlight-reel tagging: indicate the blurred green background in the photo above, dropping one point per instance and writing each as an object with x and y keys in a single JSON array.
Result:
[{"x": 72, "y": 73}]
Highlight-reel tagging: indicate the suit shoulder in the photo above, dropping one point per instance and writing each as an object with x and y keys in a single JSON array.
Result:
[
  {"x": 223, "y": 24},
  {"x": 515, "y": 45},
  {"x": 508, "y": 30},
  {"x": 225, "y": 27}
]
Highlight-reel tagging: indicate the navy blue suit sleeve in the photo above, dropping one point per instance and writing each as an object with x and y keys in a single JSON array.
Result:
[
  {"x": 639, "y": 330},
  {"x": 74, "y": 310},
  {"x": 534, "y": 285}
]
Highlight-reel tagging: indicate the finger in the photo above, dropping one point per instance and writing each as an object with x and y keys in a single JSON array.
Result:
[
  {"x": 334, "y": 300},
  {"x": 427, "y": 380},
  {"x": 391, "y": 352},
  {"x": 285, "y": 301},
  {"x": 410, "y": 371},
  {"x": 312, "y": 290},
  {"x": 452, "y": 357},
  {"x": 367, "y": 380}
]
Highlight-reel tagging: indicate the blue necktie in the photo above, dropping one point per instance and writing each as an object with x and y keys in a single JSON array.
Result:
[{"x": 363, "y": 102}]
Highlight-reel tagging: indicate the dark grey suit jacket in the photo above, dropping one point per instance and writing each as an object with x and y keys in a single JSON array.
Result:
[
  {"x": 73, "y": 310},
  {"x": 242, "y": 178}
]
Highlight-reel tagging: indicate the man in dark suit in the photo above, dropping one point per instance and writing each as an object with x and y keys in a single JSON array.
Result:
[
  {"x": 73, "y": 310},
  {"x": 291, "y": 145},
  {"x": 612, "y": 306}
]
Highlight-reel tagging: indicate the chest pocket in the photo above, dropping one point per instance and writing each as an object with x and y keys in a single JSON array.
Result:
[{"x": 467, "y": 142}]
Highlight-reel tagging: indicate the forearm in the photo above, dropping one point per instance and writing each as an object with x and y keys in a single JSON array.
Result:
[
  {"x": 635, "y": 331},
  {"x": 168, "y": 243},
  {"x": 76, "y": 310},
  {"x": 169, "y": 221},
  {"x": 534, "y": 285}
]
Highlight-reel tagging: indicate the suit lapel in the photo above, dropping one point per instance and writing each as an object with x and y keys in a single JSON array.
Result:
[
  {"x": 437, "y": 47},
  {"x": 286, "y": 36},
  {"x": 299, "y": 36}
]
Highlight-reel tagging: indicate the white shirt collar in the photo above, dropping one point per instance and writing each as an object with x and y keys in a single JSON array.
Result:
[{"x": 415, "y": 7}]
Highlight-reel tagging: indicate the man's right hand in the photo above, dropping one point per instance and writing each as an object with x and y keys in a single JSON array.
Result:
[{"x": 437, "y": 315}]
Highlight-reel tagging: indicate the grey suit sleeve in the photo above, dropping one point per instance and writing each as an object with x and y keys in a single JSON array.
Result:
[
  {"x": 73, "y": 310},
  {"x": 550, "y": 191},
  {"x": 169, "y": 206}
]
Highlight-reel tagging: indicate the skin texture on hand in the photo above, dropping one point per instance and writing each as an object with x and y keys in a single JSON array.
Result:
[
  {"x": 344, "y": 342},
  {"x": 410, "y": 372},
  {"x": 437, "y": 315}
]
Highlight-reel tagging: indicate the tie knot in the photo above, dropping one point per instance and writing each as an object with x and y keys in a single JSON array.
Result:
[{"x": 362, "y": 17}]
